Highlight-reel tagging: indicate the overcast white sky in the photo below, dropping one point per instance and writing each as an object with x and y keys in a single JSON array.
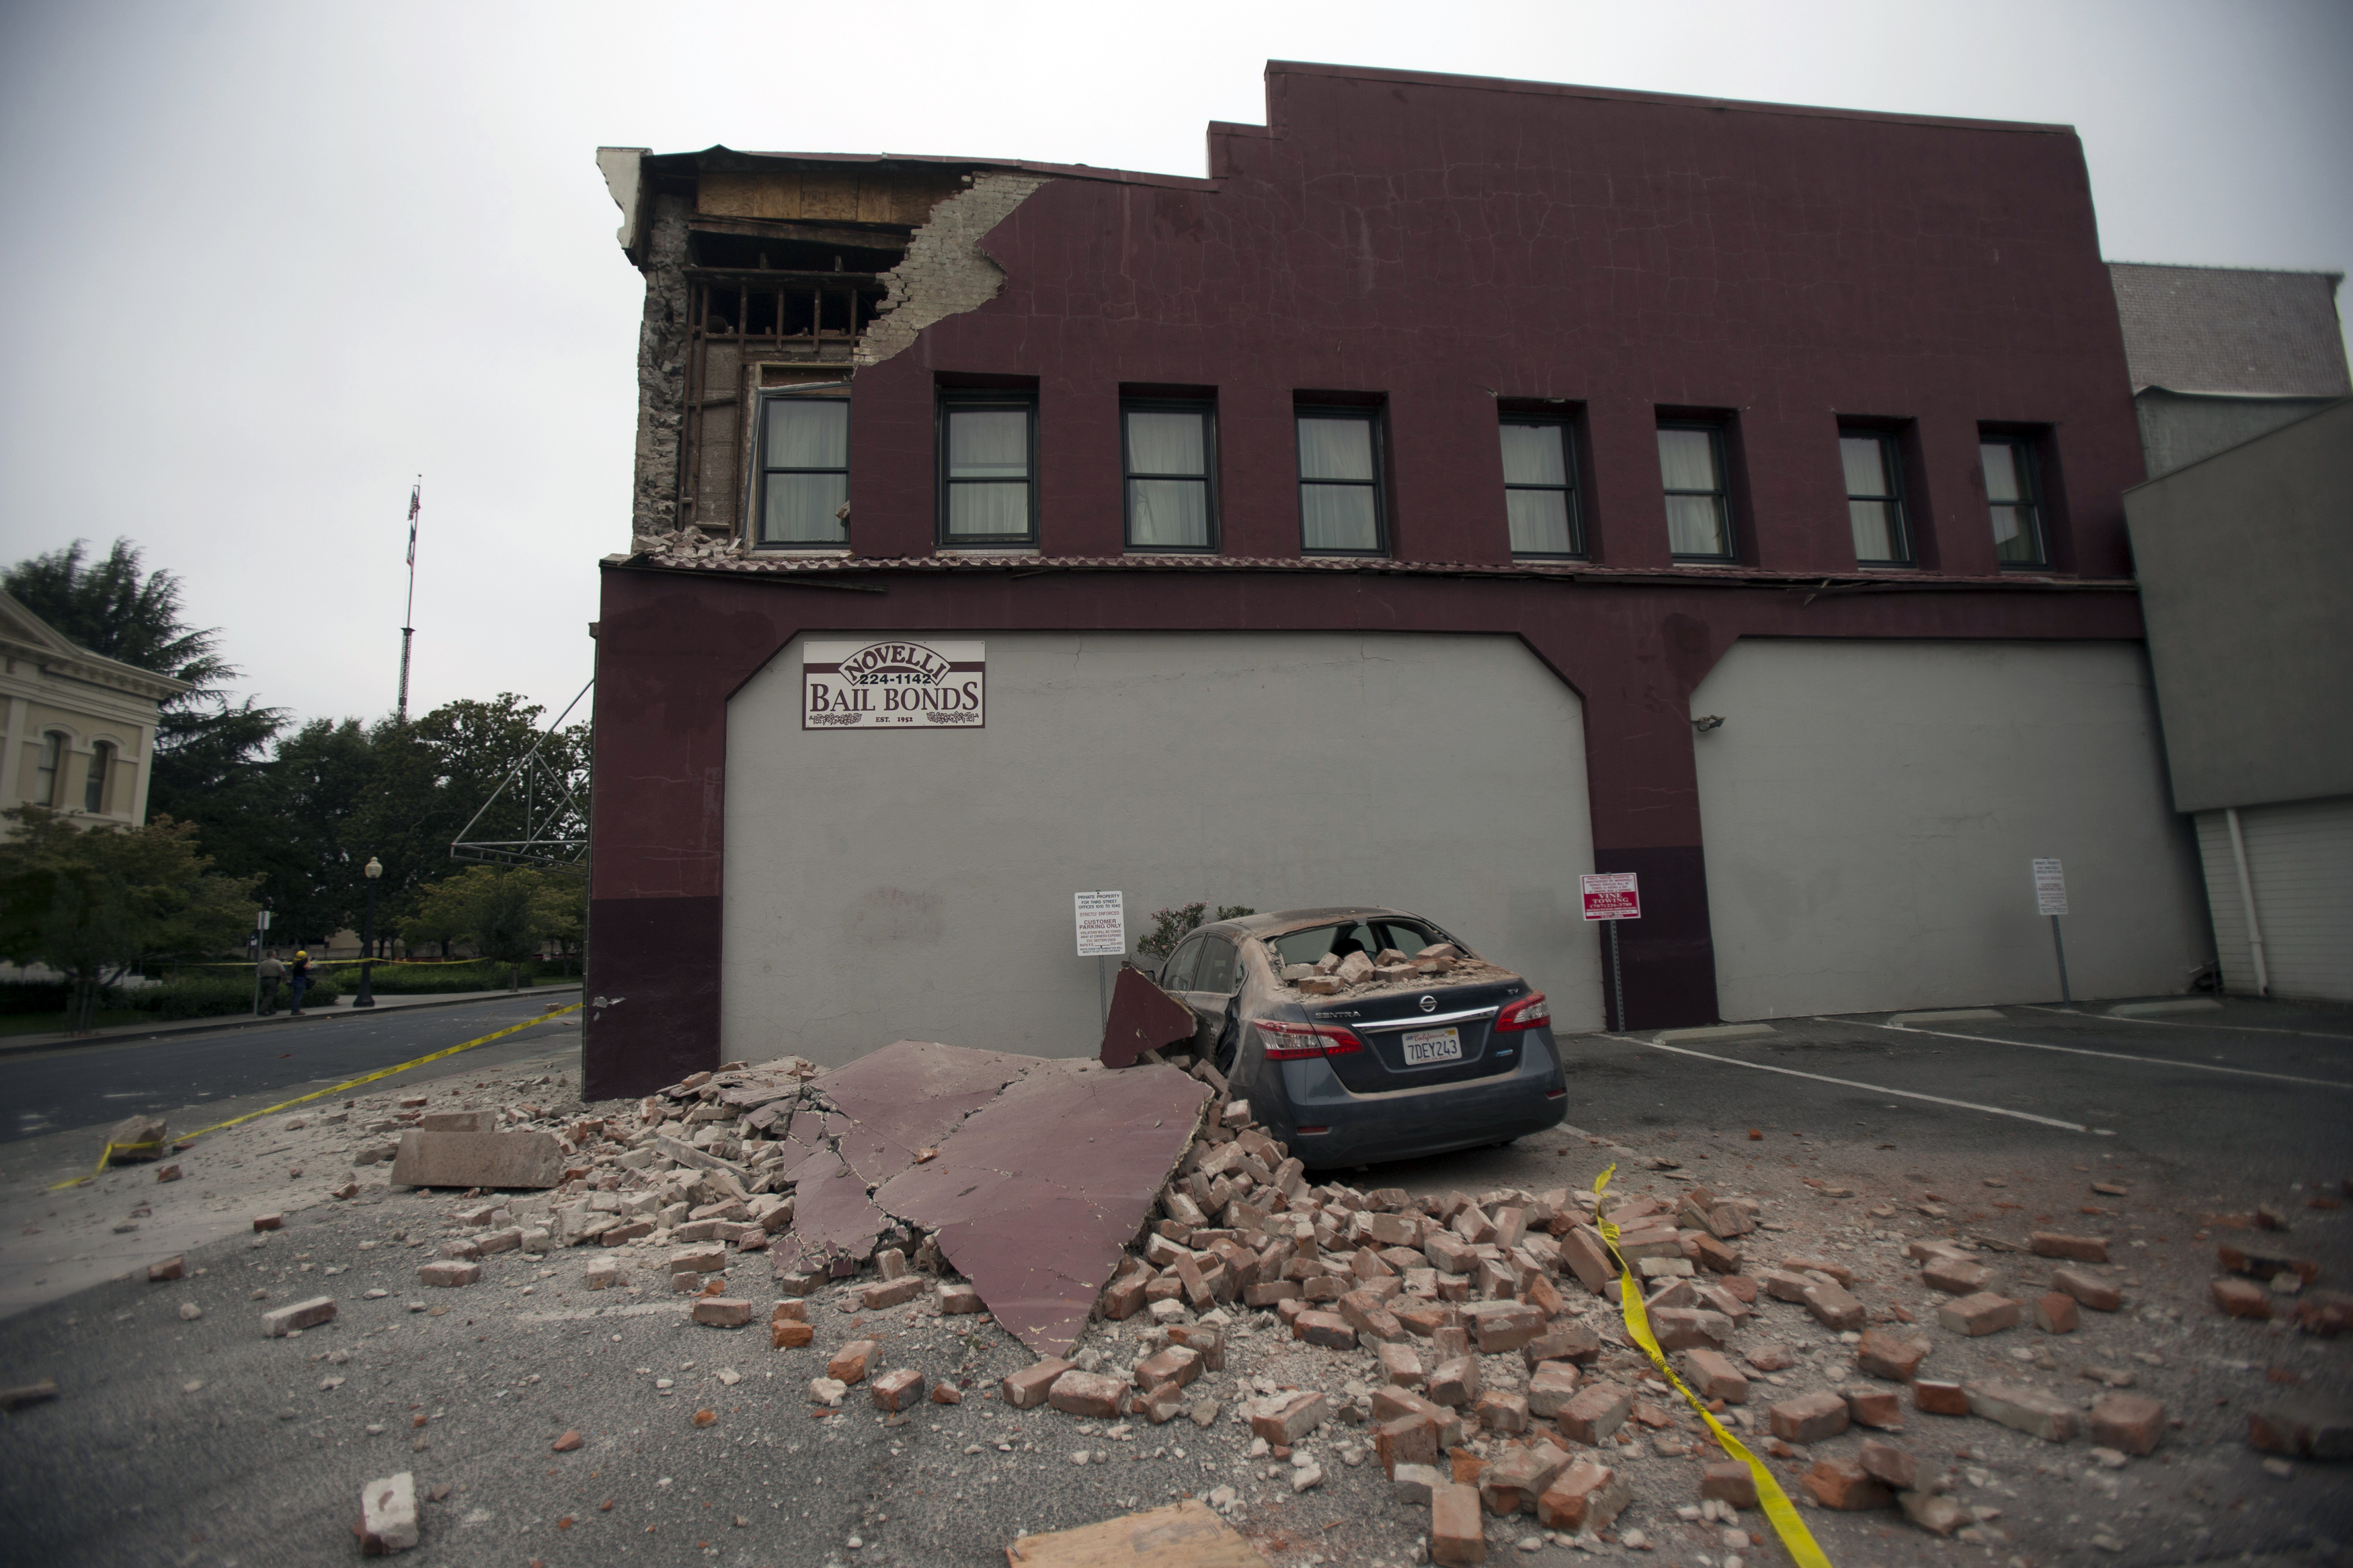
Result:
[{"x": 271, "y": 260}]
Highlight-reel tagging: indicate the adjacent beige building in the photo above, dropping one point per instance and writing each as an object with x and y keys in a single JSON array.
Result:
[{"x": 80, "y": 728}]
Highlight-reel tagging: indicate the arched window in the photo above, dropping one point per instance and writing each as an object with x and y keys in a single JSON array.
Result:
[
  {"x": 45, "y": 777},
  {"x": 101, "y": 765}
]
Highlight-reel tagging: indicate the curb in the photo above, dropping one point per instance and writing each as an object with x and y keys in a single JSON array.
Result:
[{"x": 245, "y": 1021}]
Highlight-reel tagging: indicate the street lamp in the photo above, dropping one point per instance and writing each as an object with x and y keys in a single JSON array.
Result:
[{"x": 366, "y": 998}]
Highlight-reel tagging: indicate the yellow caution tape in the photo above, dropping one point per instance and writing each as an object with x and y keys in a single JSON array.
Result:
[
  {"x": 1778, "y": 1507},
  {"x": 316, "y": 1094}
]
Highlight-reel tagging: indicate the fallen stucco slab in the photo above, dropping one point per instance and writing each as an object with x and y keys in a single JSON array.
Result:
[
  {"x": 478, "y": 1160},
  {"x": 1182, "y": 1535},
  {"x": 1040, "y": 1190},
  {"x": 1143, "y": 1017}
]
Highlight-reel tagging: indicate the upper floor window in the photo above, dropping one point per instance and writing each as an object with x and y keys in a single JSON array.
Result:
[
  {"x": 1540, "y": 487},
  {"x": 1874, "y": 497},
  {"x": 102, "y": 763},
  {"x": 804, "y": 470},
  {"x": 2012, "y": 494},
  {"x": 46, "y": 770},
  {"x": 1340, "y": 509},
  {"x": 989, "y": 459},
  {"x": 1699, "y": 513},
  {"x": 1170, "y": 458}
]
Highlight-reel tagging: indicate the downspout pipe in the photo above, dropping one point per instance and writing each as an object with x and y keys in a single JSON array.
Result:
[{"x": 2247, "y": 901}]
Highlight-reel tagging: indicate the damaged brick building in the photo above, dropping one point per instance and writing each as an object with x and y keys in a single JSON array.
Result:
[{"x": 1469, "y": 484}]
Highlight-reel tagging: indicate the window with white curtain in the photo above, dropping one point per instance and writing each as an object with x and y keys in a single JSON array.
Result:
[
  {"x": 2011, "y": 494},
  {"x": 1874, "y": 497},
  {"x": 804, "y": 470},
  {"x": 1340, "y": 509},
  {"x": 1540, "y": 487},
  {"x": 46, "y": 769},
  {"x": 102, "y": 763},
  {"x": 1698, "y": 516},
  {"x": 988, "y": 493},
  {"x": 1169, "y": 453}
]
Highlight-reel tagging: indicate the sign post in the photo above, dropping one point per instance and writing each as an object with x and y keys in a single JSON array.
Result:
[
  {"x": 1613, "y": 896},
  {"x": 2050, "y": 898},
  {"x": 1102, "y": 933},
  {"x": 260, "y": 925}
]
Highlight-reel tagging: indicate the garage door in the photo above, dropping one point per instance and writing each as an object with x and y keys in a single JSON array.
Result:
[
  {"x": 918, "y": 884},
  {"x": 2300, "y": 864},
  {"x": 1869, "y": 810}
]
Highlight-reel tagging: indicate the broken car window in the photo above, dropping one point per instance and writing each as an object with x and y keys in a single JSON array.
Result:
[{"x": 1216, "y": 971}]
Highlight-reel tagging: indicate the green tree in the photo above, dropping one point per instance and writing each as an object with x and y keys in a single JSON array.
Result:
[
  {"x": 507, "y": 913},
  {"x": 94, "y": 903},
  {"x": 115, "y": 607}
]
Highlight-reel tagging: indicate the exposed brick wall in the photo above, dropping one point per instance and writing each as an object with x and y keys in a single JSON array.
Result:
[
  {"x": 946, "y": 272},
  {"x": 662, "y": 373}
]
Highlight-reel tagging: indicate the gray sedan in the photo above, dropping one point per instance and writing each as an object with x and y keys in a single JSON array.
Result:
[{"x": 1361, "y": 1034}]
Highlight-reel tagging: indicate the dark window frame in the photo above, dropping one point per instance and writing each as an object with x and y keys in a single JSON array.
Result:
[
  {"x": 960, "y": 401},
  {"x": 1567, "y": 427},
  {"x": 2027, "y": 459},
  {"x": 1721, "y": 495},
  {"x": 1891, "y": 461},
  {"x": 768, "y": 397},
  {"x": 1372, "y": 415},
  {"x": 96, "y": 783},
  {"x": 1208, "y": 409},
  {"x": 53, "y": 792}
]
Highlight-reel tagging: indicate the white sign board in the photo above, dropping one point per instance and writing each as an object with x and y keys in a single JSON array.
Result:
[
  {"x": 895, "y": 683},
  {"x": 1103, "y": 925},
  {"x": 1611, "y": 896},
  {"x": 2049, "y": 888}
]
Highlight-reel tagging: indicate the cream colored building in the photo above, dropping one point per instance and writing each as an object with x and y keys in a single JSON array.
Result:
[{"x": 80, "y": 728}]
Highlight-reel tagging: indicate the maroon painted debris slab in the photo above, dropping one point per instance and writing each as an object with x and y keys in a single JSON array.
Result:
[{"x": 1143, "y": 1018}]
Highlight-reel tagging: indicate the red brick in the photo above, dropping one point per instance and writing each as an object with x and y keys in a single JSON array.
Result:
[
  {"x": 2027, "y": 1410},
  {"x": 1940, "y": 1398},
  {"x": 1714, "y": 1256},
  {"x": 1881, "y": 1354},
  {"x": 1880, "y": 1408},
  {"x": 564, "y": 1444},
  {"x": 1411, "y": 1439},
  {"x": 1512, "y": 1484},
  {"x": 1267, "y": 1292},
  {"x": 1093, "y": 1395},
  {"x": 1455, "y": 1382},
  {"x": 2325, "y": 1313},
  {"x": 2265, "y": 1265},
  {"x": 2307, "y": 1428},
  {"x": 1175, "y": 1365},
  {"x": 1328, "y": 1330},
  {"x": 1550, "y": 1388},
  {"x": 2088, "y": 1289},
  {"x": 269, "y": 1221},
  {"x": 1729, "y": 1480},
  {"x": 1563, "y": 1341},
  {"x": 170, "y": 1269},
  {"x": 1287, "y": 1417},
  {"x": 308, "y": 1314},
  {"x": 1984, "y": 1313},
  {"x": 1504, "y": 1326},
  {"x": 848, "y": 1364},
  {"x": 1456, "y": 1533},
  {"x": 1739, "y": 1285},
  {"x": 1956, "y": 1276},
  {"x": 1582, "y": 1255},
  {"x": 1886, "y": 1462},
  {"x": 1597, "y": 1411},
  {"x": 1842, "y": 1484},
  {"x": 1504, "y": 1413},
  {"x": 1834, "y": 1308},
  {"x": 2242, "y": 1299},
  {"x": 450, "y": 1273},
  {"x": 789, "y": 1312},
  {"x": 897, "y": 1390},
  {"x": 1782, "y": 1286},
  {"x": 1715, "y": 1377},
  {"x": 1809, "y": 1418},
  {"x": 2054, "y": 1313},
  {"x": 1364, "y": 1313},
  {"x": 1690, "y": 1327},
  {"x": 2128, "y": 1422},
  {"x": 945, "y": 1392},
  {"x": 2077, "y": 1248},
  {"x": 1122, "y": 1298},
  {"x": 723, "y": 1311},
  {"x": 1585, "y": 1496},
  {"x": 787, "y": 1335},
  {"x": 1026, "y": 1389}
]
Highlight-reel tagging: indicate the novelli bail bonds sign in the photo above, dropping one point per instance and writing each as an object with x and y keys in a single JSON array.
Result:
[{"x": 898, "y": 683}]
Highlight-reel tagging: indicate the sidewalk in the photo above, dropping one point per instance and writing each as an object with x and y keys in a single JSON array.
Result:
[{"x": 116, "y": 1034}]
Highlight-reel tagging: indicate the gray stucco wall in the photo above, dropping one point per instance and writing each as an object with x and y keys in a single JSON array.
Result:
[
  {"x": 2245, "y": 561},
  {"x": 1871, "y": 807},
  {"x": 883, "y": 886},
  {"x": 2176, "y": 430}
]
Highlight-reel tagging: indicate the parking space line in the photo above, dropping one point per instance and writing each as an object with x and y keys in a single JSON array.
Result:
[
  {"x": 2179, "y": 1024},
  {"x": 1881, "y": 1088},
  {"x": 2112, "y": 1055}
]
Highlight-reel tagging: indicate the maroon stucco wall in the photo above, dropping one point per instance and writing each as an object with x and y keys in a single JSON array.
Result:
[{"x": 1442, "y": 242}]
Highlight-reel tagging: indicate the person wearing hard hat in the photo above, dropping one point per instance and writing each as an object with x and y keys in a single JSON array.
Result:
[{"x": 300, "y": 973}]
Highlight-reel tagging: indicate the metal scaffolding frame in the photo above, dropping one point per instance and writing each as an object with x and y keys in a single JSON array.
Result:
[{"x": 554, "y": 809}]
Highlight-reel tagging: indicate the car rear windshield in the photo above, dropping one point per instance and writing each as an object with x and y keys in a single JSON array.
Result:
[{"x": 1367, "y": 937}]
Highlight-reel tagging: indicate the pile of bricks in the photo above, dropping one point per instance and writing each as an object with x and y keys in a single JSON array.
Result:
[{"x": 1335, "y": 974}]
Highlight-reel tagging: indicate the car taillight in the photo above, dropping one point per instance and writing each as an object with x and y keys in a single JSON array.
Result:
[
  {"x": 1287, "y": 1042},
  {"x": 1527, "y": 1013}
]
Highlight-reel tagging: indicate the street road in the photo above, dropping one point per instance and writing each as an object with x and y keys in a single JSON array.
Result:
[{"x": 82, "y": 1085}]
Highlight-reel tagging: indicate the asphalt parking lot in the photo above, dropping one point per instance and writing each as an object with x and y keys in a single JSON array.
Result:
[{"x": 200, "y": 1443}]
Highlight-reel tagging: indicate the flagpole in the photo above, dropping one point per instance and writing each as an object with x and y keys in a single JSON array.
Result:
[{"x": 408, "y": 614}]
